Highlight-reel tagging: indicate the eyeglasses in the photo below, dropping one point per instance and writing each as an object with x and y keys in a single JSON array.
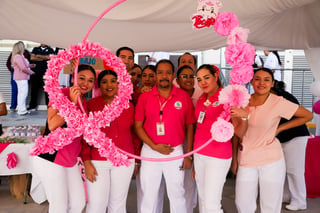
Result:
[{"x": 184, "y": 77}]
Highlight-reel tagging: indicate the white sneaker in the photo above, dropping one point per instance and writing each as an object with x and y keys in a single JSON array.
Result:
[
  {"x": 23, "y": 112},
  {"x": 294, "y": 208}
]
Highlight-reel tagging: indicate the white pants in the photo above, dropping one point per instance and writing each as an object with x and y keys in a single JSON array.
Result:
[
  {"x": 63, "y": 186},
  {"x": 22, "y": 94},
  {"x": 150, "y": 179},
  {"x": 210, "y": 178},
  {"x": 269, "y": 179},
  {"x": 295, "y": 186},
  {"x": 110, "y": 188}
]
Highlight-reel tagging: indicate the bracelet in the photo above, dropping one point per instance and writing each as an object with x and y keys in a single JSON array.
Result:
[
  {"x": 137, "y": 164},
  {"x": 190, "y": 157},
  {"x": 247, "y": 118}
]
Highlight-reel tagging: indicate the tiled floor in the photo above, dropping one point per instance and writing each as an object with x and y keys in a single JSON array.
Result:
[{"x": 10, "y": 205}]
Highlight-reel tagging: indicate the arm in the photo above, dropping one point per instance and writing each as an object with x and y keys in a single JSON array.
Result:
[
  {"x": 9, "y": 65},
  {"x": 187, "y": 162},
  {"x": 235, "y": 140},
  {"x": 21, "y": 62},
  {"x": 35, "y": 57},
  {"x": 3, "y": 109},
  {"x": 302, "y": 115},
  {"x": 162, "y": 148},
  {"x": 239, "y": 117}
]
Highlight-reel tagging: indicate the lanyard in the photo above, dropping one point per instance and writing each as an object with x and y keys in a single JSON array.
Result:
[{"x": 162, "y": 106}]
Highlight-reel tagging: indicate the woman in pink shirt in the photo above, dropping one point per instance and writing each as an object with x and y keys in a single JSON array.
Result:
[
  {"x": 58, "y": 171},
  {"x": 108, "y": 185},
  {"x": 211, "y": 163},
  {"x": 21, "y": 75},
  {"x": 260, "y": 157}
]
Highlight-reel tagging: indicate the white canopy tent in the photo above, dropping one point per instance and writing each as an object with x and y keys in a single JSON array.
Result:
[{"x": 162, "y": 25}]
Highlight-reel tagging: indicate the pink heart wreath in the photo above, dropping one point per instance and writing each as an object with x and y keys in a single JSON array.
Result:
[{"x": 79, "y": 123}]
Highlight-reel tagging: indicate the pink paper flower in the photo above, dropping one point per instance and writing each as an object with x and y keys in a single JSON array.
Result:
[
  {"x": 241, "y": 75},
  {"x": 238, "y": 34},
  {"x": 221, "y": 130},
  {"x": 240, "y": 54},
  {"x": 225, "y": 22},
  {"x": 12, "y": 160},
  {"x": 234, "y": 95}
]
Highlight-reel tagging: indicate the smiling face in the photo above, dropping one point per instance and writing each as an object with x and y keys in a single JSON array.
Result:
[
  {"x": 109, "y": 87},
  {"x": 207, "y": 81},
  {"x": 187, "y": 59},
  {"x": 135, "y": 74},
  {"x": 262, "y": 82},
  {"x": 148, "y": 78},
  {"x": 85, "y": 81},
  {"x": 164, "y": 76},
  {"x": 186, "y": 79}
]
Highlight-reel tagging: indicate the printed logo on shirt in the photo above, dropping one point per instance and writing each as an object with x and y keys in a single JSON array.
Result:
[{"x": 178, "y": 105}]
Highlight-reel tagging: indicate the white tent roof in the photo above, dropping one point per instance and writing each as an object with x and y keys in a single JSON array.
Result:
[{"x": 162, "y": 25}]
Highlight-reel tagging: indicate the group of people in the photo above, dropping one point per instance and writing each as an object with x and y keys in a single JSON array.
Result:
[
  {"x": 25, "y": 66},
  {"x": 171, "y": 113}
]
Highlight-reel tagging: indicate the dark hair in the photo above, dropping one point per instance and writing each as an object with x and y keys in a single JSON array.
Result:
[
  {"x": 135, "y": 66},
  {"x": 104, "y": 73},
  {"x": 278, "y": 87},
  {"x": 277, "y": 54},
  {"x": 182, "y": 68},
  {"x": 212, "y": 71},
  {"x": 187, "y": 53},
  {"x": 82, "y": 67},
  {"x": 151, "y": 67},
  {"x": 165, "y": 61},
  {"x": 124, "y": 48},
  {"x": 265, "y": 70}
]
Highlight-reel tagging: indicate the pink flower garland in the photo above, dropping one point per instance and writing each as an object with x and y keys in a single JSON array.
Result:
[
  {"x": 12, "y": 160},
  {"x": 79, "y": 123},
  {"x": 240, "y": 55}
]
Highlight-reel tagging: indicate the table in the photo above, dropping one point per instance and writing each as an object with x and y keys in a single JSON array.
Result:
[{"x": 312, "y": 168}]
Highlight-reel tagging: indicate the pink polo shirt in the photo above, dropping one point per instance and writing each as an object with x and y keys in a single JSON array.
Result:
[
  {"x": 214, "y": 149},
  {"x": 260, "y": 146},
  {"x": 177, "y": 112}
]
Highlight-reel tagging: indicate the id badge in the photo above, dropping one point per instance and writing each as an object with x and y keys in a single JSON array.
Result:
[
  {"x": 201, "y": 117},
  {"x": 160, "y": 129}
]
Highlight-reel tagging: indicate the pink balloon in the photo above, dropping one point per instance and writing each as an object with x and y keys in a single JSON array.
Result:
[{"x": 316, "y": 107}]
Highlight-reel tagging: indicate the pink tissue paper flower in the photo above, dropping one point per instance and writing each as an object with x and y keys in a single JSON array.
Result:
[
  {"x": 238, "y": 34},
  {"x": 225, "y": 22},
  {"x": 241, "y": 75},
  {"x": 12, "y": 160},
  {"x": 221, "y": 130},
  {"x": 234, "y": 95},
  {"x": 240, "y": 54}
]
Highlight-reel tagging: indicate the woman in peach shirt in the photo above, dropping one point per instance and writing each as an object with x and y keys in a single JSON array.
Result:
[{"x": 260, "y": 157}]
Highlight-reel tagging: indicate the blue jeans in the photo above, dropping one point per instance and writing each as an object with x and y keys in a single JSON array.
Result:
[{"x": 14, "y": 93}]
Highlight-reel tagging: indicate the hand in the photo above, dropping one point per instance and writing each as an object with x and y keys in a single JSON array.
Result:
[
  {"x": 165, "y": 149},
  {"x": 234, "y": 166},
  {"x": 74, "y": 62},
  {"x": 32, "y": 65},
  {"x": 136, "y": 170},
  {"x": 193, "y": 174},
  {"x": 187, "y": 163},
  {"x": 239, "y": 112},
  {"x": 74, "y": 94},
  {"x": 90, "y": 171}
]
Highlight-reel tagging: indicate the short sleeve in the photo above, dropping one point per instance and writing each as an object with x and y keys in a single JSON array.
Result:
[
  {"x": 139, "y": 110},
  {"x": 287, "y": 108}
]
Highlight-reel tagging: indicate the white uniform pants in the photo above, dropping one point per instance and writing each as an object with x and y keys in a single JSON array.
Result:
[
  {"x": 150, "y": 179},
  {"x": 63, "y": 186},
  {"x": 295, "y": 186},
  {"x": 210, "y": 178},
  {"x": 110, "y": 188},
  {"x": 22, "y": 94},
  {"x": 269, "y": 179}
]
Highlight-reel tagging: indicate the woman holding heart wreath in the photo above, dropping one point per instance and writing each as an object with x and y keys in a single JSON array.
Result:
[
  {"x": 59, "y": 172},
  {"x": 108, "y": 185}
]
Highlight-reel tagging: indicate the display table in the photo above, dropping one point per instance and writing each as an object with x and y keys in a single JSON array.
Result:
[{"x": 312, "y": 170}]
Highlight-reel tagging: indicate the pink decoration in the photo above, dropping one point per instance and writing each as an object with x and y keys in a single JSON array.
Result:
[
  {"x": 240, "y": 54},
  {"x": 222, "y": 130},
  {"x": 206, "y": 13},
  {"x": 238, "y": 34},
  {"x": 241, "y": 75},
  {"x": 225, "y": 22},
  {"x": 79, "y": 123},
  {"x": 316, "y": 107},
  {"x": 234, "y": 95},
  {"x": 12, "y": 160}
]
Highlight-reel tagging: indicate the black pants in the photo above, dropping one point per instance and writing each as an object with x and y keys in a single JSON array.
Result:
[{"x": 37, "y": 84}]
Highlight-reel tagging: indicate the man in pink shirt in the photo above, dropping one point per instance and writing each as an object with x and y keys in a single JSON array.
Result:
[{"x": 162, "y": 119}]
